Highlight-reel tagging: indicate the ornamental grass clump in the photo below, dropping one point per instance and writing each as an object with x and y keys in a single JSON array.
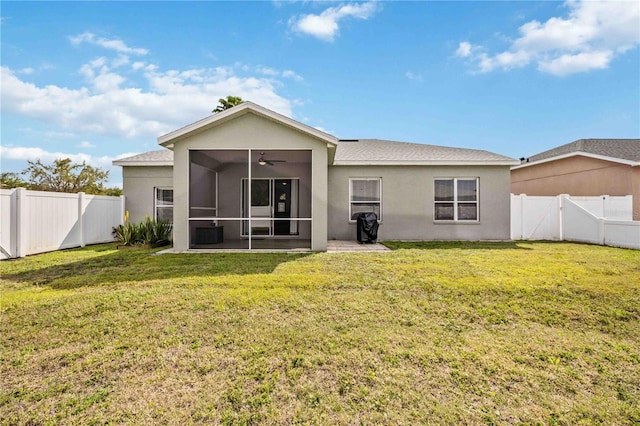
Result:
[{"x": 147, "y": 232}]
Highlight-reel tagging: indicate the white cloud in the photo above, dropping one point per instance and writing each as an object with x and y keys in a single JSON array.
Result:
[
  {"x": 413, "y": 76},
  {"x": 115, "y": 44},
  {"x": 272, "y": 72},
  {"x": 592, "y": 35},
  {"x": 325, "y": 25},
  {"x": 113, "y": 105},
  {"x": 35, "y": 153},
  {"x": 120, "y": 61},
  {"x": 48, "y": 134},
  {"x": 292, "y": 75},
  {"x": 268, "y": 71},
  {"x": 464, "y": 49},
  {"x": 86, "y": 144},
  {"x": 126, "y": 99}
]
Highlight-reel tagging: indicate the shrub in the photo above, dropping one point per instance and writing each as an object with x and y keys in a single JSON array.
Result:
[{"x": 146, "y": 232}]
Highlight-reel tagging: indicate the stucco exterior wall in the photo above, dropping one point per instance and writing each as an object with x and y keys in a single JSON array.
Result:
[
  {"x": 138, "y": 185},
  {"x": 408, "y": 202},
  {"x": 579, "y": 176},
  {"x": 250, "y": 131}
]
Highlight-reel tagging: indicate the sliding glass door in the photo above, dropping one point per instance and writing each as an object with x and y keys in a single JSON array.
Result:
[{"x": 274, "y": 202}]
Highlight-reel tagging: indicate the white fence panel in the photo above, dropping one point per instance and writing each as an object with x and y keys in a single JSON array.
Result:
[
  {"x": 615, "y": 208},
  {"x": 99, "y": 210},
  {"x": 52, "y": 221},
  {"x": 622, "y": 234},
  {"x": 37, "y": 221},
  {"x": 580, "y": 225}
]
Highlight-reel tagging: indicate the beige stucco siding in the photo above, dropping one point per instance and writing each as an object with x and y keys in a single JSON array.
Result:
[
  {"x": 250, "y": 131},
  {"x": 138, "y": 186},
  {"x": 635, "y": 189},
  {"x": 408, "y": 207},
  {"x": 579, "y": 176}
]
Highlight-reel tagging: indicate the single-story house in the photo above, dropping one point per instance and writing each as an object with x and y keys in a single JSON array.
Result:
[
  {"x": 586, "y": 167},
  {"x": 250, "y": 178}
]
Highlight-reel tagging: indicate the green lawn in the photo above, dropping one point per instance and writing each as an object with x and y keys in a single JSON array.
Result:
[{"x": 439, "y": 333}]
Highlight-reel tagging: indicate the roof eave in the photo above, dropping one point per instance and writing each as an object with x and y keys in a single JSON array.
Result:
[
  {"x": 142, "y": 163},
  {"x": 426, "y": 163},
  {"x": 575, "y": 154}
]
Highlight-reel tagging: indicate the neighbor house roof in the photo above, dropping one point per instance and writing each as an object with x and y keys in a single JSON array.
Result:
[
  {"x": 383, "y": 152},
  {"x": 162, "y": 157},
  {"x": 625, "y": 151},
  {"x": 246, "y": 107}
]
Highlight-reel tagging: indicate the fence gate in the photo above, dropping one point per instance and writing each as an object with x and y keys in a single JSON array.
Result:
[{"x": 535, "y": 218}]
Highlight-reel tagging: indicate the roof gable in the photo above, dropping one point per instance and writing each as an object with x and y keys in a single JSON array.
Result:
[{"x": 245, "y": 108}]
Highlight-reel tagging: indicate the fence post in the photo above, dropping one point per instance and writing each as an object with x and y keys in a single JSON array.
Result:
[
  {"x": 21, "y": 222},
  {"x": 601, "y": 236},
  {"x": 123, "y": 210},
  {"x": 561, "y": 204},
  {"x": 81, "y": 224},
  {"x": 606, "y": 206}
]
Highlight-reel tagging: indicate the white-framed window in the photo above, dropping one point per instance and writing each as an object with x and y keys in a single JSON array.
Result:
[
  {"x": 456, "y": 199},
  {"x": 365, "y": 195},
  {"x": 163, "y": 204}
]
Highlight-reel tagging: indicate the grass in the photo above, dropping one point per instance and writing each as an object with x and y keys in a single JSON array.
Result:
[{"x": 435, "y": 333}]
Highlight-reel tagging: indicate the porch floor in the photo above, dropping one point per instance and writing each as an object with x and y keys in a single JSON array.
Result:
[{"x": 333, "y": 246}]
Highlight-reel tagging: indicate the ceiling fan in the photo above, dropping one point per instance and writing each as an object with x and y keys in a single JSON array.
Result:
[{"x": 263, "y": 161}]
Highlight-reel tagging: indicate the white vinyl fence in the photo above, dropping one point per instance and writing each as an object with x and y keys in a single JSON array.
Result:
[
  {"x": 601, "y": 220},
  {"x": 36, "y": 222}
]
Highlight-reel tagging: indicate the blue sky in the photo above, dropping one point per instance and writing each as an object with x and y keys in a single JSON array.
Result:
[{"x": 98, "y": 80}]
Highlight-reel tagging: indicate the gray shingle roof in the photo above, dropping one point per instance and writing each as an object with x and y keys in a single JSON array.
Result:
[
  {"x": 159, "y": 158},
  {"x": 364, "y": 152},
  {"x": 625, "y": 149},
  {"x": 376, "y": 151}
]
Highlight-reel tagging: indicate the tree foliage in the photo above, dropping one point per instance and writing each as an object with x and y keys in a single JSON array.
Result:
[
  {"x": 61, "y": 176},
  {"x": 10, "y": 180},
  {"x": 229, "y": 102}
]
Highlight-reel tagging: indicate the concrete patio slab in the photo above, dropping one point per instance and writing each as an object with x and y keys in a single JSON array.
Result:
[{"x": 338, "y": 246}]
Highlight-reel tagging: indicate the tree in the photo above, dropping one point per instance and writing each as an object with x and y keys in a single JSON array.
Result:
[
  {"x": 230, "y": 102},
  {"x": 65, "y": 176},
  {"x": 10, "y": 180}
]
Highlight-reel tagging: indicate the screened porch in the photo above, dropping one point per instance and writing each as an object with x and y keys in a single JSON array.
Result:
[{"x": 250, "y": 199}]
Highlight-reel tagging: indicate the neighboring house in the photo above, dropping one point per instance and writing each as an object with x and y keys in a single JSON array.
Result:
[
  {"x": 586, "y": 167},
  {"x": 250, "y": 178}
]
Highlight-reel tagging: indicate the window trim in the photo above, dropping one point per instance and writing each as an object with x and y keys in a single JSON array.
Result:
[
  {"x": 455, "y": 201},
  {"x": 351, "y": 202},
  {"x": 155, "y": 201}
]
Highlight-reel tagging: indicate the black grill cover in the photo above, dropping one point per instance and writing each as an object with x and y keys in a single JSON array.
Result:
[{"x": 367, "y": 227}]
